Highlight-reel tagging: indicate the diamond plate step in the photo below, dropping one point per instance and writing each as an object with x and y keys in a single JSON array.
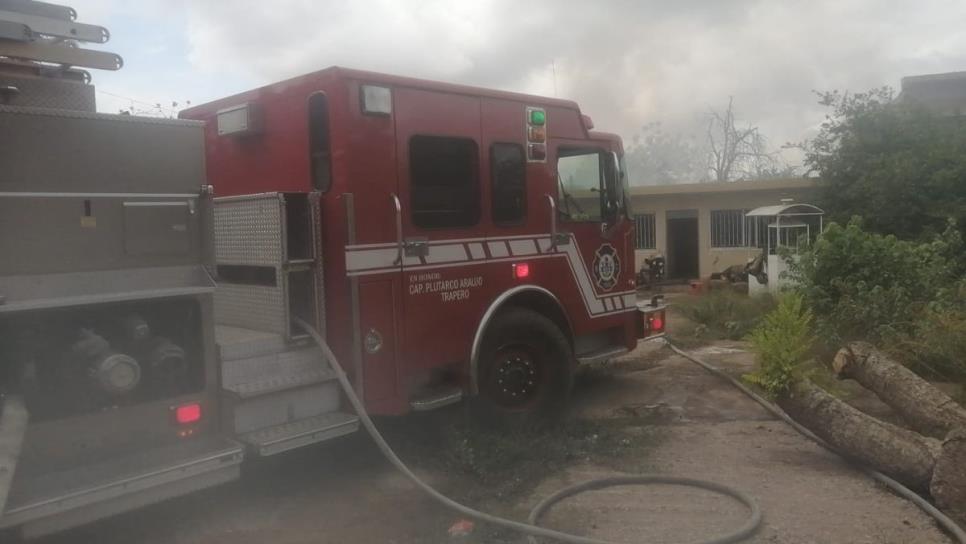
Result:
[
  {"x": 290, "y": 366},
  {"x": 280, "y": 383},
  {"x": 286, "y": 406},
  {"x": 239, "y": 343},
  {"x": 288, "y": 436}
]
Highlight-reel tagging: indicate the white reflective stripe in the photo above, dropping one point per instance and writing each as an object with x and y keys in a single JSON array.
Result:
[
  {"x": 543, "y": 244},
  {"x": 476, "y": 251},
  {"x": 434, "y": 242},
  {"x": 594, "y": 305},
  {"x": 370, "y": 258},
  {"x": 498, "y": 249},
  {"x": 417, "y": 266},
  {"x": 523, "y": 247},
  {"x": 359, "y": 247},
  {"x": 447, "y": 254}
]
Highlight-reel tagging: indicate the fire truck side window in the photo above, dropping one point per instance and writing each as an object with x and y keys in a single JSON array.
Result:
[
  {"x": 444, "y": 179},
  {"x": 579, "y": 186},
  {"x": 508, "y": 169},
  {"x": 319, "y": 151}
]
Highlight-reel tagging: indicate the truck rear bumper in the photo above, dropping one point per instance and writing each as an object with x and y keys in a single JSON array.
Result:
[{"x": 51, "y": 502}]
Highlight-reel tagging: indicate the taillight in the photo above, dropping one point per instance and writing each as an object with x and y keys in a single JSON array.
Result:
[
  {"x": 651, "y": 324},
  {"x": 187, "y": 413},
  {"x": 656, "y": 322}
]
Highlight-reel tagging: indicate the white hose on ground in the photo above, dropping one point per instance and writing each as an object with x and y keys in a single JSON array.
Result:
[
  {"x": 746, "y": 530},
  {"x": 944, "y": 521}
]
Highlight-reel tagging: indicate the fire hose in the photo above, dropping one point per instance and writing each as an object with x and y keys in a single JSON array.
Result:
[
  {"x": 942, "y": 519},
  {"x": 532, "y": 530}
]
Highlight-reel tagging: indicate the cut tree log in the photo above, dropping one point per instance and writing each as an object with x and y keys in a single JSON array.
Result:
[
  {"x": 924, "y": 407},
  {"x": 948, "y": 486},
  {"x": 900, "y": 453}
]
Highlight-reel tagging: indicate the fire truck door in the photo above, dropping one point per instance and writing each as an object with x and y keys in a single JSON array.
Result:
[
  {"x": 438, "y": 149},
  {"x": 590, "y": 207}
]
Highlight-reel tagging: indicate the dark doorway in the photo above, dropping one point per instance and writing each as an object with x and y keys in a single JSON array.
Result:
[{"x": 682, "y": 244}]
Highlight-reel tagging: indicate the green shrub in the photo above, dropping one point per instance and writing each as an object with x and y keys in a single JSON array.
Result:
[
  {"x": 872, "y": 287},
  {"x": 908, "y": 298},
  {"x": 783, "y": 344},
  {"x": 725, "y": 314},
  {"x": 937, "y": 347}
]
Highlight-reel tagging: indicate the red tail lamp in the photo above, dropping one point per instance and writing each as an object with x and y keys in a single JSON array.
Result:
[
  {"x": 657, "y": 322},
  {"x": 187, "y": 413},
  {"x": 521, "y": 270}
]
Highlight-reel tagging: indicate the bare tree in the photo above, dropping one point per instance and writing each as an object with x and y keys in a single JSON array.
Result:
[
  {"x": 658, "y": 157},
  {"x": 739, "y": 153}
]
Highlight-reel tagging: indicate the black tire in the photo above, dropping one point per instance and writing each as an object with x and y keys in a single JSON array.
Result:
[{"x": 525, "y": 370}]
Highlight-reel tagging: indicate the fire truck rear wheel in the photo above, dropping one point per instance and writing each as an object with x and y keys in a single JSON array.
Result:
[{"x": 526, "y": 369}]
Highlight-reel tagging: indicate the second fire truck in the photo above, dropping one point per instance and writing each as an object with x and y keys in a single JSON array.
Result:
[{"x": 451, "y": 241}]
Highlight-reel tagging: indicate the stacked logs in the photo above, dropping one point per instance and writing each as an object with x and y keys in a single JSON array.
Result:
[{"x": 929, "y": 455}]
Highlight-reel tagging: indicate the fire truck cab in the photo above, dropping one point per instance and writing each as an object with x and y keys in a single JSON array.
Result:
[{"x": 448, "y": 241}]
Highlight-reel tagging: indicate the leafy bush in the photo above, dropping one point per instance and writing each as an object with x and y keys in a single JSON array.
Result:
[
  {"x": 908, "y": 298},
  {"x": 725, "y": 314},
  {"x": 873, "y": 287},
  {"x": 783, "y": 343},
  {"x": 937, "y": 347}
]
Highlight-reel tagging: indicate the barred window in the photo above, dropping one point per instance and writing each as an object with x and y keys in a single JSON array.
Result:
[
  {"x": 727, "y": 228},
  {"x": 644, "y": 229},
  {"x": 730, "y": 228}
]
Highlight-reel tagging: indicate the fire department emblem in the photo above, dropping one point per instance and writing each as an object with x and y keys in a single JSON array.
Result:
[{"x": 607, "y": 267}]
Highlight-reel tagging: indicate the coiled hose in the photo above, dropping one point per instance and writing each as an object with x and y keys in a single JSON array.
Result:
[{"x": 532, "y": 530}]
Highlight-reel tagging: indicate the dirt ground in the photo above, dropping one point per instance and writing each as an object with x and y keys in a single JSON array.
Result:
[{"x": 649, "y": 411}]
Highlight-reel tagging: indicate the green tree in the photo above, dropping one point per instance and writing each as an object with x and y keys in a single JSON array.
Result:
[{"x": 899, "y": 166}]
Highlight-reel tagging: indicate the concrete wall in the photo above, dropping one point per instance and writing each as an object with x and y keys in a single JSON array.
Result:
[{"x": 703, "y": 198}]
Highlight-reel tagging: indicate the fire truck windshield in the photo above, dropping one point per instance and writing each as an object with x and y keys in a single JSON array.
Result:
[{"x": 580, "y": 179}]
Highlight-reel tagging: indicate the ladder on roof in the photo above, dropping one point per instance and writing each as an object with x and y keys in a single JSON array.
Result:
[{"x": 40, "y": 32}]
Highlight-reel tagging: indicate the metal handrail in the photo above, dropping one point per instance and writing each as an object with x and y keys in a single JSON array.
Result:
[
  {"x": 553, "y": 222},
  {"x": 399, "y": 231}
]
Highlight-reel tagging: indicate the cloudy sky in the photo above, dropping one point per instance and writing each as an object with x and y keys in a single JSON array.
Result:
[{"x": 626, "y": 62}]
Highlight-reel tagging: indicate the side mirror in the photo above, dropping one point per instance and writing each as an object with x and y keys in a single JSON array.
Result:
[{"x": 612, "y": 188}]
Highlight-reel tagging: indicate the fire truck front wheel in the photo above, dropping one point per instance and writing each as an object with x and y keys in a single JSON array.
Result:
[{"x": 526, "y": 368}]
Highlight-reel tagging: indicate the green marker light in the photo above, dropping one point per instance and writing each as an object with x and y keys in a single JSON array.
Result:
[{"x": 538, "y": 117}]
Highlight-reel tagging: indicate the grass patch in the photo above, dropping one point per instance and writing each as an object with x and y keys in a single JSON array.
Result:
[{"x": 501, "y": 464}]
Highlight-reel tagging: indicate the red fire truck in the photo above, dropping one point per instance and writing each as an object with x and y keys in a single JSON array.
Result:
[{"x": 450, "y": 241}]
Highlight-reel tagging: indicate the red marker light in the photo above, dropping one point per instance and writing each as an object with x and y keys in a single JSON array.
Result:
[
  {"x": 657, "y": 323},
  {"x": 521, "y": 270},
  {"x": 187, "y": 413}
]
